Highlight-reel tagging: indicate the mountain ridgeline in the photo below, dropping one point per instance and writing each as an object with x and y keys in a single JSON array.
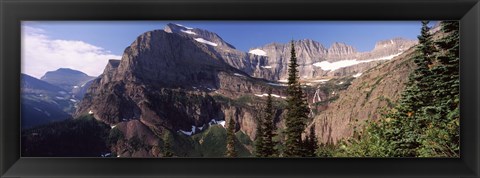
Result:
[
  {"x": 178, "y": 88},
  {"x": 52, "y": 97}
]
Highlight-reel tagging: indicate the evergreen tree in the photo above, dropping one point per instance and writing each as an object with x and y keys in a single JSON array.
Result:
[
  {"x": 442, "y": 137},
  {"x": 167, "y": 150},
  {"x": 425, "y": 123},
  {"x": 407, "y": 122},
  {"x": 311, "y": 143},
  {"x": 268, "y": 128},
  {"x": 231, "y": 151},
  {"x": 259, "y": 143},
  {"x": 297, "y": 110}
]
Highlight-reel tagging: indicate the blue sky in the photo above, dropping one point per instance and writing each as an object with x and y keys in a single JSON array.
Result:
[
  {"x": 116, "y": 36},
  {"x": 47, "y": 45}
]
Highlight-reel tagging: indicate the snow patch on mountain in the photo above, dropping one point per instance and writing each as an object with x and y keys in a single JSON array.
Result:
[
  {"x": 184, "y": 26},
  {"x": 274, "y": 95},
  {"x": 266, "y": 67},
  {"x": 258, "y": 52},
  {"x": 357, "y": 75},
  {"x": 277, "y": 84},
  {"x": 189, "y": 32},
  {"x": 186, "y": 133},
  {"x": 214, "y": 122},
  {"x": 201, "y": 40},
  {"x": 321, "y": 81},
  {"x": 325, "y": 65}
]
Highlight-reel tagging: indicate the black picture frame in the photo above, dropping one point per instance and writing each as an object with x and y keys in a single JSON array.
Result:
[{"x": 12, "y": 12}]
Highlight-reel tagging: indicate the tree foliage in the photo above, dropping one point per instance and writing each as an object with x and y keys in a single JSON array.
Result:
[
  {"x": 425, "y": 123},
  {"x": 311, "y": 143},
  {"x": 231, "y": 151},
  {"x": 167, "y": 146},
  {"x": 297, "y": 110},
  {"x": 259, "y": 143},
  {"x": 265, "y": 145}
]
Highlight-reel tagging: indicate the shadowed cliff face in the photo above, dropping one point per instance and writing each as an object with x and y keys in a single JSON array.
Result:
[{"x": 168, "y": 81}]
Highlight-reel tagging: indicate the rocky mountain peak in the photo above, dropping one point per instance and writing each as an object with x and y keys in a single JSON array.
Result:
[
  {"x": 199, "y": 35},
  {"x": 393, "y": 43},
  {"x": 63, "y": 71},
  {"x": 114, "y": 62},
  {"x": 394, "y": 46},
  {"x": 338, "y": 48},
  {"x": 340, "y": 51},
  {"x": 66, "y": 78}
]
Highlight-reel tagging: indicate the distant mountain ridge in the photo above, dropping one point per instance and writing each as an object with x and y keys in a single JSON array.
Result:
[
  {"x": 42, "y": 103},
  {"x": 271, "y": 60},
  {"x": 66, "y": 78},
  {"x": 74, "y": 81},
  {"x": 53, "y": 97}
]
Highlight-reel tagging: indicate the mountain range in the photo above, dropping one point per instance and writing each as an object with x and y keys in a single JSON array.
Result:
[
  {"x": 185, "y": 82},
  {"x": 52, "y": 97}
]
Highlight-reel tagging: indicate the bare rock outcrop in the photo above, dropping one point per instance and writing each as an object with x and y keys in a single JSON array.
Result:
[{"x": 374, "y": 91}]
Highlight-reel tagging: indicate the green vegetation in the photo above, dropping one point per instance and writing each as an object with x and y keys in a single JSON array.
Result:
[
  {"x": 327, "y": 101},
  {"x": 231, "y": 139},
  {"x": 242, "y": 101},
  {"x": 247, "y": 100},
  {"x": 81, "y": 137},
  {"x": 425, "y": 123},
  {"x": 334, "y": 84},
  {"x": 136, "y": 143},
  {"x": 213, "y": 143},
  {"x": 265, "y": 145},
  {"x": 243, "y": 138},
  {"x": 297, "y": 111},
  {"x": 114, "y": 136},
  {"x": 374, "y": 85},
  {"x": 311, "y": 143},
  {"x": 259, "y": 142},
  {"x": 167, "y": 148}
]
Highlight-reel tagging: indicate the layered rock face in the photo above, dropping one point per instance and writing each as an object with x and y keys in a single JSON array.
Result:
[
  {"x": 271, "y": 61},
  {"x": 387, "y": 48},
  {"x": 167, "y": 80},
  {"x": 374, "y": 91},
  {"x": 153, "y": 82},
  {"x": 340, "y": 51},
  {"x": 315, "y": 61}
]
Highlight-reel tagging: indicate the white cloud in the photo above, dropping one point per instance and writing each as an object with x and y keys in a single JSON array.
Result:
[{"x": 41, "y": 53}]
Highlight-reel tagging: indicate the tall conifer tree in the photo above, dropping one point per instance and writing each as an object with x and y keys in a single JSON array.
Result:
[
  {"x": 259, "y": 143},
  {"x": 311, "y": 143},
  {"x": 425, "y": 123},
  {"x": 231, "y": 151},
  {"x": 269, "y": 128},
  {"x": 442, "y": 137},
  {"x": 407, "y": 120},
  {"x": 297, "y": 110}
]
